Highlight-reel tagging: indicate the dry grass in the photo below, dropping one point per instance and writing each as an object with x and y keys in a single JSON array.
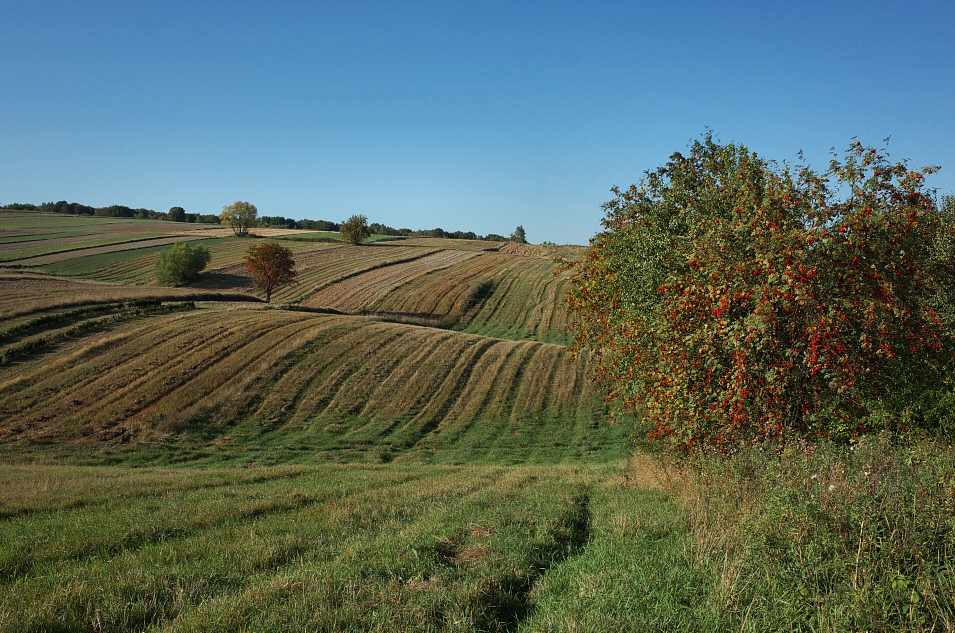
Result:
[
  {"x": 165, "y": 373},
  {"x": 523, "y": 297},
  {"x": 360, "y": 291}
]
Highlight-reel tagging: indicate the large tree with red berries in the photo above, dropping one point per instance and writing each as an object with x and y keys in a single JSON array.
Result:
[{"x": 732, "y": 300}]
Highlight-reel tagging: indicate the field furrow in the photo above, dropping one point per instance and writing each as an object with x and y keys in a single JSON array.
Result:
[
  {"x": 493, "y": 294},
  {"x": 293, "y": 379},
  {"x": 413, "y": 381},
  {"x": 441, "y": 292},
  {"x": 319, "y": 270},
  {"x": 348, "y": 357},
  {"x": 30, "y": 384},
  {"x": 362, "y": 291},
  {"x": 211, "y": 381}
]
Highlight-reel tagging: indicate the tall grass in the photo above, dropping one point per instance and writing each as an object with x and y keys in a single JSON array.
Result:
[{"x": 829, "y": 538}]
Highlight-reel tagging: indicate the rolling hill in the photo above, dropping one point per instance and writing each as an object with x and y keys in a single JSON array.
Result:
[{"x": 391, "y": 351}]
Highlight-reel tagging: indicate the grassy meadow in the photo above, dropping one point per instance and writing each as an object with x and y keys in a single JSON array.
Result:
[{"x": 400, "y": 441}]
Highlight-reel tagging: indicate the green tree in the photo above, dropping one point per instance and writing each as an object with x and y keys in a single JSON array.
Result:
[
  {"x": 271, "y": 265},
  {"x": 518, "y": 235},
  {"x": 355, "y": 229},
  {"x": 177, "y": 214},
  {"x": 730, "y": 300},
  {"x": 181, "y": 264},
  {"x": 240, "y": 216}
]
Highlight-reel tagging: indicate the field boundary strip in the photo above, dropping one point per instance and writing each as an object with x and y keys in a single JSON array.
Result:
[{"x": 125, "y": 245}]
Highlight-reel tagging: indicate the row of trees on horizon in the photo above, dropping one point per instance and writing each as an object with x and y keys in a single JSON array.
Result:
[{"x": 178, "y": 214}]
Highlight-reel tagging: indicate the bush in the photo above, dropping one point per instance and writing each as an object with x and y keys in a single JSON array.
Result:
[
  {"x": 181, "y": 264},
  {"x": 732, "y": 301}
]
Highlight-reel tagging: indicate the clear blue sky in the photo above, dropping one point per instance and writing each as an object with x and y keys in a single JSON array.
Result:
[{"x": 461, "y": 115}]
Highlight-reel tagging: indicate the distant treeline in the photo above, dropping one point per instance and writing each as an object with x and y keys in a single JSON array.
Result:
[
  {"x": 178, "y": 214},
  {"x": 175, "y": 214},
  {"x": 375, "y": 228}
]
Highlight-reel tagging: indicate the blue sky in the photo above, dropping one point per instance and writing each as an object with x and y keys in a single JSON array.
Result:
[{"x": 461, "y": 115}]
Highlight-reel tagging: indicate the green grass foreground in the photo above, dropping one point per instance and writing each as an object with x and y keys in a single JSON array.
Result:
[
  {"x": 828, "y": 540},
  {"x": 350, "y": 548}
]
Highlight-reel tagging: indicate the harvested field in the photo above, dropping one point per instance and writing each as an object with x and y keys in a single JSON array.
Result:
[
  {"x": 343, "y": 384},
  {"x": 494, "y": 294},
  {"x": 445, "y": 243},
  {"x": 325, "y": 264},
  {"x": 216, "y": 231},
  {"x": 523, "y": 250},
  {"x": 17, "y": 241},
  {"x": 360, "y": 291},
  {"x": 137, "y": 266},
  {"x": 25, "y": 295}
]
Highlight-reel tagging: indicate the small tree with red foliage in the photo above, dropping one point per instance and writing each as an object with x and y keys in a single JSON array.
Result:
[
  {"x": 731, "y": 300},
  {"x": 271, "y": 265}
]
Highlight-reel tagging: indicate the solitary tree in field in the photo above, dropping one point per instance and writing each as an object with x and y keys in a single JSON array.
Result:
[
  {"x": 240, "y": 216},
  {"x": 271, "y": 265},
  {"x": 730, "y": 300},
  {"x": 355, "y": 229},
  {"x": 518, "y": 235},
  {"x": 181, "y": 264}
]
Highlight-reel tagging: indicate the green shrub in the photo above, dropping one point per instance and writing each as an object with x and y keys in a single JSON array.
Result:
[{"x": 181, "y": 264}]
